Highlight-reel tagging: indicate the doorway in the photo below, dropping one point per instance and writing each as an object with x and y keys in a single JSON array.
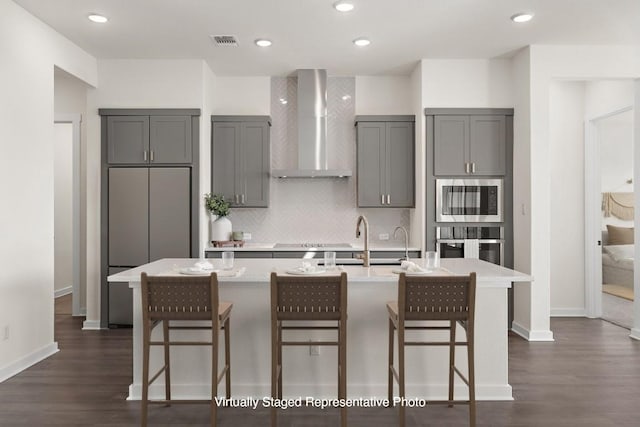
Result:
[
  {"x": 609, "y": 207},
  {"x": 67, "y": 226}
]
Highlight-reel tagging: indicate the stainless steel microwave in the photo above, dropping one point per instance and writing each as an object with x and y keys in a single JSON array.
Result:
[{"x": 469, "y": 200}]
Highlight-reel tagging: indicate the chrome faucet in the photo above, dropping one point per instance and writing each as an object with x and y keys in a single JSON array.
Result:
[
  {"x": 364, "y": 256},
  {"x": 406, "y": 241}
]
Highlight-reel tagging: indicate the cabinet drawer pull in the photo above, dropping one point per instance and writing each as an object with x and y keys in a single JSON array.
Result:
[{"x": 388, "y": 199}]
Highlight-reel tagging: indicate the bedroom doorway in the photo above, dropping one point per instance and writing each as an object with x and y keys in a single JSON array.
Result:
[{"x": 609, "y": 198}]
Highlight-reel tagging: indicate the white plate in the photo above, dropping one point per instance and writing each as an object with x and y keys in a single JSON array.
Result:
[
  {"x": 411, "y": 273},
  {"x": 301, "y": 272},
  {"x": 196, "y": 272}
]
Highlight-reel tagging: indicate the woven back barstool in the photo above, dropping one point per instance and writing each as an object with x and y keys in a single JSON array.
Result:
[
  {"x": 420, "y": 298},
  {"x": 171, "y": 299},
  {"x": 318, "y": 298}
]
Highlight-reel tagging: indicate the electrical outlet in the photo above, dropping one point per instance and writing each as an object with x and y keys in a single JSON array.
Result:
[
  {"x": 247, "y": 236},
  {"x": 314, "y": 350},
  {"x": 383, "y": 236},
  {"x": 6, "y": 333}
]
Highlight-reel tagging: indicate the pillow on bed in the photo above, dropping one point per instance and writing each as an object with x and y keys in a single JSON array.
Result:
[
  {"x": 620, "y": 235},
  {"x": 620, "y": 252}
]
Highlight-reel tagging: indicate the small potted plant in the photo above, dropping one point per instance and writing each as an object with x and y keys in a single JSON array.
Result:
[{"x": 218, "y": 209}]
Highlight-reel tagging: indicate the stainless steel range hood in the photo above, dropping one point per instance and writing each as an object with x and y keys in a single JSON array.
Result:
[{"x": 312, "y": 130}]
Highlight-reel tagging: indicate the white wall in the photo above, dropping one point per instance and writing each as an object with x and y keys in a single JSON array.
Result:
[
  {"x": 566, "y": 154},
  {"x": 242, "y": 95},
  {"x": 383, "y": 95},
  {"x": 470, "y": 83},
  {"x": 29, "y": 50},
  {"x": 546, "y": 64},
  {"x": 63, "y": 206}
]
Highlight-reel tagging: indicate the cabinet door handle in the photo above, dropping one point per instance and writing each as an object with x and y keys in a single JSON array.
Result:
[
  {"x": 235, "y": 198},
  {"x": 382, "y": 199},
  {"x": 242, "y": 199},
  {"x": 151, "y": 155},
  {"x": 473, "y": 167},
  {"x": 466, "y": 167},
  {"x": 388, "y": 199},
  {"x": 144, "y": 155}
]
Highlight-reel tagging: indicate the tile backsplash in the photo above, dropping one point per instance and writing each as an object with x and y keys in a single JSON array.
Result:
[{"x": 314, "y": 210}]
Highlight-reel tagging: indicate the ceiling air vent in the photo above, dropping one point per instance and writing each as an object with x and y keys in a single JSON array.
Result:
[{"x": 225, "y": 40}]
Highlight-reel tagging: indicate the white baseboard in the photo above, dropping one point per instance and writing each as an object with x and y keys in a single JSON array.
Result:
[
  {"x": 62, "y": 292},
  {"x": 531, "y": 335},
  {"x": 568, "y": 312},
  {"x": 493, "y": 392},
  {"x": 635, "y": 334},
  {"x": 91, "y": 325},
  {"x": 27, "y": 361}
]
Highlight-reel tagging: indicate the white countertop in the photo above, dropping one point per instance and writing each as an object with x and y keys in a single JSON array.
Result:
[{"x": 259, "y": 270}]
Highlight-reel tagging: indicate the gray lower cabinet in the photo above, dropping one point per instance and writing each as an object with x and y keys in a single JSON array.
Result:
[
  {"x": 240, "y": 159},
  {"x": 386, "y": 161},
  {"x": 469, "y": 145},
  {"x": 149, "y": 218},
  {"x": 152, "y": 139}
]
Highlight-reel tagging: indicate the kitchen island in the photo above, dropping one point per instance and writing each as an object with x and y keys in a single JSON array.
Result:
[{"x": 369, "y": 289}]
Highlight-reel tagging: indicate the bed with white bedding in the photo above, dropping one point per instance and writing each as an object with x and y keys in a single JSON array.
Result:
[{"x": 617, "y": 263}]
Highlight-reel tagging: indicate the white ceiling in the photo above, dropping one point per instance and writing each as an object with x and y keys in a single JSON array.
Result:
[{"x": 311, "y": 34}]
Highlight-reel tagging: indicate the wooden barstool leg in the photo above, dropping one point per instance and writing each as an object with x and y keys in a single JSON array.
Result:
[
  {"x": 274, "y": 369},
  {"x": 279, "y": 360},
  {"x": 227, "y": 355},
  {"x": 390, "y": 367},
  {"x": 401, "y": 388},
  {"x": 145, "y": 374},
  {"x": 342, "y": 379},
  {"x": 472, "y": 377},
  {"x": 452, "y": 358},
  {"x": 167, "y": 362},
  {"x": 215, "y": 328}
]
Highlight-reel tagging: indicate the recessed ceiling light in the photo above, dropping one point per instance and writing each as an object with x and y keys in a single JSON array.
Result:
[
  {"x": 263, "y": 42},
  {"x": 343, "y": 6},
  {"x": 100, "y": 19},
  {"x": 362, "y": 41},
  {"x": 522, "y": 17}
]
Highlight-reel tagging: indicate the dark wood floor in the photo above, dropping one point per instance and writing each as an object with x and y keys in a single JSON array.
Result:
[{"x": 588, "y": 377}]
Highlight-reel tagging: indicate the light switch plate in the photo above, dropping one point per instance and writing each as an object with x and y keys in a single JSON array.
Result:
[{"x": 247, "y": 236}]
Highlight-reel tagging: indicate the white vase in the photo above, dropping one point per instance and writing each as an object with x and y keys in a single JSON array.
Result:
[{"x": 220, "y": 228}]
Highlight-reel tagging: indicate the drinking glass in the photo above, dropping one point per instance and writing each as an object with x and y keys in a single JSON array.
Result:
[
  {"x": 432, "y": 260},
  {"x": 227, "y": 260},
  {"x": 329, "y": 260}
]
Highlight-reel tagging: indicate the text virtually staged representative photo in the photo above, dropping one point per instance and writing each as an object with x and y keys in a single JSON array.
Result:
[{"x": 321, "y": 213}]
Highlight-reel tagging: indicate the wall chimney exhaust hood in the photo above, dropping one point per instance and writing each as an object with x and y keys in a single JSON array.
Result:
[{"x": 312, "y": 130}]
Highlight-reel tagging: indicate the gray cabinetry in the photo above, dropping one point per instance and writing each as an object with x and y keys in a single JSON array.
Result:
[
  {"x": 469, "y": 145},
  {"x": 149, "y": 196},
  {"x": 240, "y": 159},
  {"x": 385, "y": 161},
  {"x": 149, "y": 139}
]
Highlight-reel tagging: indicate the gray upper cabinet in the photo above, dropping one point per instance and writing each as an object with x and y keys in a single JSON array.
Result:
[
  {"x": 469, "y": 145},
  {"x": 149, "y": 140},
  {"x": 127, "y": 139},
  {"x": 240, "y": 160},
  {"x": 385, "y": 161}
]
